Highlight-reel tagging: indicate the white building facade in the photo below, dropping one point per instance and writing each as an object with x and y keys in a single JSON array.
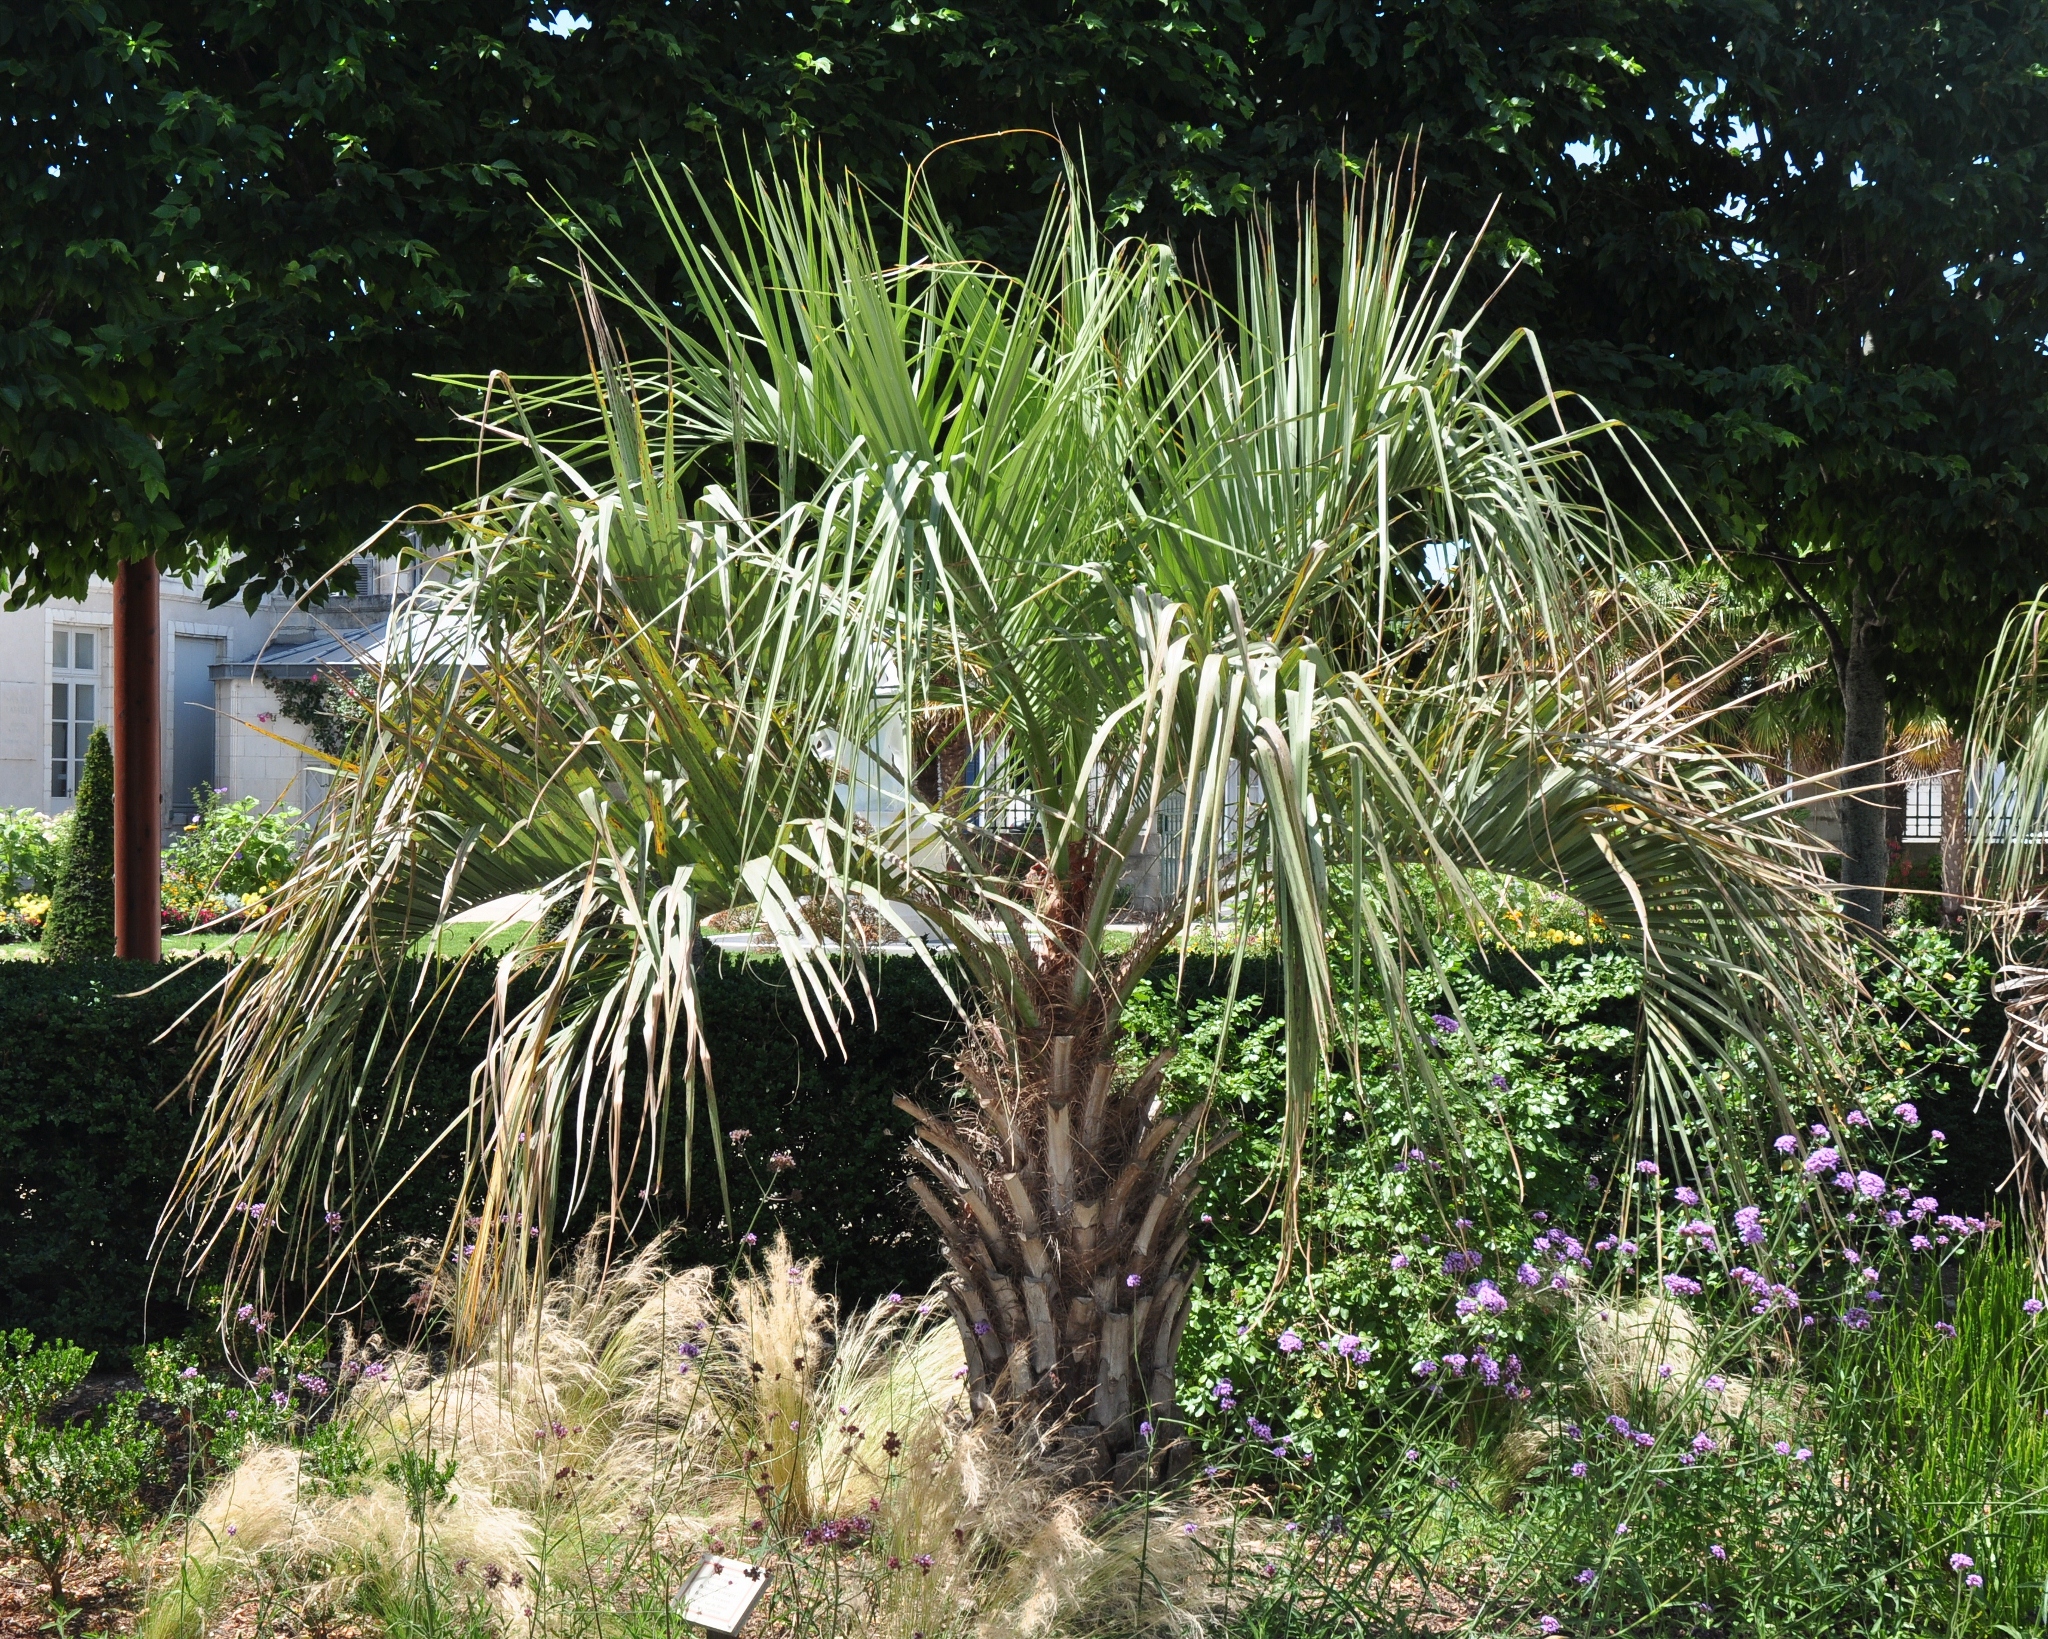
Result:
[{"x": 222, "y": 726}]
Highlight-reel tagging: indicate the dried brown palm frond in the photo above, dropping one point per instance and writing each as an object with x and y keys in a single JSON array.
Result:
[{"x": 576, "y": 1469}]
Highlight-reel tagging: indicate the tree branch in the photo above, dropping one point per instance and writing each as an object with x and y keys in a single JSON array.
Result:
[{"x": 1832, "y": 632}]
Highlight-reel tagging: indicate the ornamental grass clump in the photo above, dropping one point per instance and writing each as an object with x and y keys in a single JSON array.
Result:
[{"x": 568, "y": 1477}]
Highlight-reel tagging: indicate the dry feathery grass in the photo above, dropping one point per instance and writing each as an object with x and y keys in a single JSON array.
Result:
[
  {"x": 572, "y": 1473},
  {"x": 1647, "y": 1357}
]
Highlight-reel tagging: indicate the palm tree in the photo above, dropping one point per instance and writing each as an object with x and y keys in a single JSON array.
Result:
[{"x": 895, "y": 591}]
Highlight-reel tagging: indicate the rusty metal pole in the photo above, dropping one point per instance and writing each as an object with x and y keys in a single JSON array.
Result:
[{"x": 138, "y": 758}]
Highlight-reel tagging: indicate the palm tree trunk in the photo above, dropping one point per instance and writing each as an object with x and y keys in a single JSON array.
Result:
[
  {"x": 1955, "y": 837},
  {"x": 1062, "y": 1195},
  {"x": 1865, "y": 729}
]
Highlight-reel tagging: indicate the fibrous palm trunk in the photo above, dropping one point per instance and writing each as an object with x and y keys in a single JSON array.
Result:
[
  {"x": 1955, "y": 836},
  {"x": 1062, "y": 1193},
  {"x": 2021, "y": 1071}
]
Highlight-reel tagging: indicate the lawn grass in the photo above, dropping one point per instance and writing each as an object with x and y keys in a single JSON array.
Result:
[{"x": 456, "y": 939}]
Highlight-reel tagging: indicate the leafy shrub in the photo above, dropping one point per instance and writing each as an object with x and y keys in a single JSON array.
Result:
[
  {"x": 1536, "y": 1077},
  {"x": 80, "y": 925},
  {"x": 1424, "y": 1224},
  {"x": 60, "y": 1482},
  {"x": 88, "y": 1145},
  {"x": 230, "y": 848},
  {"x": 31, "y": 849}
]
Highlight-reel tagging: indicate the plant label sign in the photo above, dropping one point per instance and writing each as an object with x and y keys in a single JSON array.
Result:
[{"x": 722, "y": 1593}]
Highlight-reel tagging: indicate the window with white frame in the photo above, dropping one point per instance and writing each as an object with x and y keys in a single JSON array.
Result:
[{"x": 74, "y": 705}]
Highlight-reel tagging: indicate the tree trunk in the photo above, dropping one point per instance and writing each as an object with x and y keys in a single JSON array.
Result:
[
  {"x": 138, "y": 757},
  {"x": 1062, "y": 1199},
  {"x": 1865, "y": 730},
  {"x": 1954, "y": 836}
]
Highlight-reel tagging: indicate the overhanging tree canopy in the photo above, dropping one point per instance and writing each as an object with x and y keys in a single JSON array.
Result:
[{"x": 1816, "y": 274}]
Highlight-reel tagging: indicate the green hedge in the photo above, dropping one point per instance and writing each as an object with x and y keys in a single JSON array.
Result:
[
  {"x": 89, "y": 1148},
  {"x": 86, "y": 1157}
]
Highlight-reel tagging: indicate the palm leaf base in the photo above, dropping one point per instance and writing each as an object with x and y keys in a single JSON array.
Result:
[{"x": 1062, "y": 1195}]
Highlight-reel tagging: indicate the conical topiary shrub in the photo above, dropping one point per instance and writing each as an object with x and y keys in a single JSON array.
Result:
[{"x": 81, "y": 920}]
